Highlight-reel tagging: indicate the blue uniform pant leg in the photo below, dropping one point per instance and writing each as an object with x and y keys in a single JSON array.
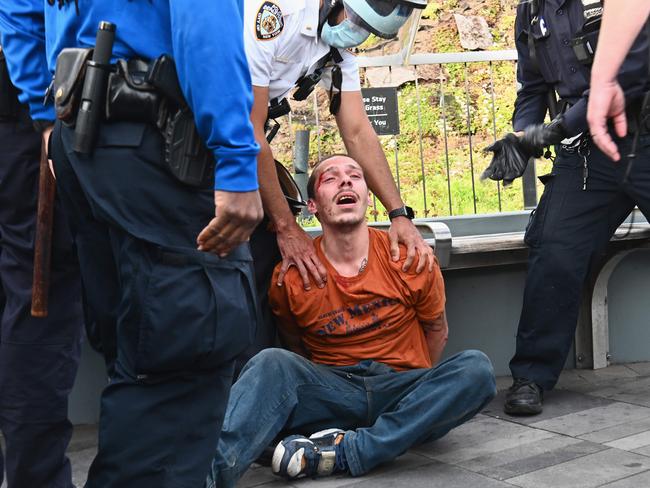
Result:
[
  {"x": 162, "y": 410},
  {"x": 38, "y": 356},
  {"x": 266, "y": 254},
  {"x": 279, "y": 391},
  {"x": 418, "y": 406},
  {"x": 637, "y": 185},
  {"x": 567, "y": 235}
]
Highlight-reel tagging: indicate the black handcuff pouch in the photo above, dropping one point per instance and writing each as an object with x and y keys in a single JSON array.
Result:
[{"x": 68, "y": 82}]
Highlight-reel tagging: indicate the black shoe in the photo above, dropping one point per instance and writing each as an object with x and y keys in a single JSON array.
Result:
[{"x": 524, "y": 397}]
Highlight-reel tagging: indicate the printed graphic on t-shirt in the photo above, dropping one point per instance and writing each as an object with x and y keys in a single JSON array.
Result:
[
  {"x": 268, "y": 21},
  {"x": 356, "y": 319}
]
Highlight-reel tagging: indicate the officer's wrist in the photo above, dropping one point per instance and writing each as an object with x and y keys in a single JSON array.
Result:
[{"x": 41, "y": 125}]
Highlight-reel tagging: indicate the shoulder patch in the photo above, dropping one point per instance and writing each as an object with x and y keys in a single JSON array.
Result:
[{"x": 268, "y": 21}]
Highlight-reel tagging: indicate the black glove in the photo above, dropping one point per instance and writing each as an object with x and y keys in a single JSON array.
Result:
[
  {"x": 537, "y": 137},
  {"x": 509, "y": 160},
  {"x": 512, "y": 153}
]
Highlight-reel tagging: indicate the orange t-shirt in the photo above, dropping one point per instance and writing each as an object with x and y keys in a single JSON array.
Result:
[{"x": 374, "y": 315}]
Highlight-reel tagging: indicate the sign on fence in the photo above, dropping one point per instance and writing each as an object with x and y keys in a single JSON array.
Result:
[{"x": 381, "y": 107}]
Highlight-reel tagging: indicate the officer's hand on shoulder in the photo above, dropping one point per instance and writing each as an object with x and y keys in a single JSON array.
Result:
[
  {"x": 236, "y": 216},
  {"x": 297, "y": 249}
]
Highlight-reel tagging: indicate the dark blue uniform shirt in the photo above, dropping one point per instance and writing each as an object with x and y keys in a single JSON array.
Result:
[
  {"x": 557, "y": 66},
  {"x": 205, "y": 37}
]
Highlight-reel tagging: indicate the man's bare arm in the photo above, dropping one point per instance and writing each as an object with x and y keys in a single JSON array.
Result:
[{"x": 436, "y": 332}]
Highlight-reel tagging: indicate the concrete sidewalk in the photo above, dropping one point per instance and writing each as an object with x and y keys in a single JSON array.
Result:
[{"x": 594, "y": 432}]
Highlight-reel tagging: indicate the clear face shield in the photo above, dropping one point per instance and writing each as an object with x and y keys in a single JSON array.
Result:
[{"x": 344, "y": 34}]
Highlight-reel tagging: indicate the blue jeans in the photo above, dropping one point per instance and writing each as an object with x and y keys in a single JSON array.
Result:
[{"x": 384, "y": 412}]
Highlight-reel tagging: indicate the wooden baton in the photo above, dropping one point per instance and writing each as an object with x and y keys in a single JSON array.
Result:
[{"x": 43, "y": 240}]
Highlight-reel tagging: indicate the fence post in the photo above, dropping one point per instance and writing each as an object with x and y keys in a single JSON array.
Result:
[
  {"x": 301, "y": 164},
  {"x": 529, "y": 187}
]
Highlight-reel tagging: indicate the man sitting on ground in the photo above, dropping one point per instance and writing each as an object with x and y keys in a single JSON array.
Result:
[{"x": 364, "y": 355}]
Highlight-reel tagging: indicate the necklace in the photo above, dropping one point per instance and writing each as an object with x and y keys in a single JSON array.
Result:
[{"x": 364, "y": 263}]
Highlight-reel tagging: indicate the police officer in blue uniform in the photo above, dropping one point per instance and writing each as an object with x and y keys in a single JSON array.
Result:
[
  {"x": 38, "y": 356},
  {"x": 155, "y": 161},
  {"x": 586, "y": 197}
]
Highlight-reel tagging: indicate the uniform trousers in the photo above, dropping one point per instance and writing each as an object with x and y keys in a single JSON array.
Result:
[
  {"x": 385, "y": 412},
  {"x": 179, "y": 316},
  {"x": 567, "y": 235},
  {"x": 38, "y": 356},
  {"x": 266, "y": 254}
]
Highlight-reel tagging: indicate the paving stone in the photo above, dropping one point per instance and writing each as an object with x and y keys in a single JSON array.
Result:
[
  {"x": 431, "y": 476},
  {"x": 590, "y": 420},
  {"x": 614, "y": 372},
  {"x": 640, "y": 368},
  {"x": 632, "y": 442},
  {"x": 556, "y": 404},
  {"x": 256, "y": 476},
  {"x": 629, "y": 390},
  {"x": 617, "y": 431},
  {"x": 530, "y": 457},
  {"x": 503, "y": 382},
  {"x": 484, "y": 436},
  {"x": 636, "y": 481},
  {"x": 80, "y": 461},
  {"x": 589, "y": 471},
  {"x": 403, "y": 464}
]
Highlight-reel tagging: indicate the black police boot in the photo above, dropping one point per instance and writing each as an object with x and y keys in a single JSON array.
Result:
[{"x": 524, "y": 397}]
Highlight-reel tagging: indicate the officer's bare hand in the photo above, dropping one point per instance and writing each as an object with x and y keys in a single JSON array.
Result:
[
  {"x": 606, "y": 100},
  {"x": 402, "y": 230},
  {"x": 297, "y": 249},
  {"x": 236, "y": 216}
]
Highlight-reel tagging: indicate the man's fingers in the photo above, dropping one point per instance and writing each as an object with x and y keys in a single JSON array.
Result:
[
  {"x": 432, "y": 261},
  {"x": 422, "y": 260},
  {"x": 304, "y": 275},
  {"x": 606, "y": 145},
  {"x": 283, "y": 271},
  {"x": 410, "y": 257},
  {"x": 394, "y": 248},
  {"x": 315, "y": 272},
  {"x": 620, "y": 124}
]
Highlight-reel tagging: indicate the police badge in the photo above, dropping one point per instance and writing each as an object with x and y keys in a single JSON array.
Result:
[{"x": 268, "y": 21}]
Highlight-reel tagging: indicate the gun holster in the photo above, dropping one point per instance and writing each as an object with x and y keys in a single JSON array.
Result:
[
  {"x": 131, "y": 97},
  {"x": 9, "y": 104},
  {"x": 185, "y": 153}
]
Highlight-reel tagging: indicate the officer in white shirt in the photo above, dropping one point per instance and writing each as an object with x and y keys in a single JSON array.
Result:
[{"x": 287, "y": 42}]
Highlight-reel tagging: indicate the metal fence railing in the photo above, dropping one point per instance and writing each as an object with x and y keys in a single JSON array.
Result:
[{"x": 453, "y": 106}]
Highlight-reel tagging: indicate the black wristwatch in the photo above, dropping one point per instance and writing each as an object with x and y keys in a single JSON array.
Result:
[{"x": 404, "y": 211}]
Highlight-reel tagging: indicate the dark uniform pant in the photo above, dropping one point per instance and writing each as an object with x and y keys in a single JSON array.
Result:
[
  {"x": 266, "y": 254},
  {"x": 567, "y": 234},
  {"x": 38, "y": 357},
  {"x": 176, "y": 317}
]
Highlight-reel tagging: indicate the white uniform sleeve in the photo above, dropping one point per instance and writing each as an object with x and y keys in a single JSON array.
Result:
[
  {"x": 350, "y": 71},
  {"x": 259, "y": 52}
]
